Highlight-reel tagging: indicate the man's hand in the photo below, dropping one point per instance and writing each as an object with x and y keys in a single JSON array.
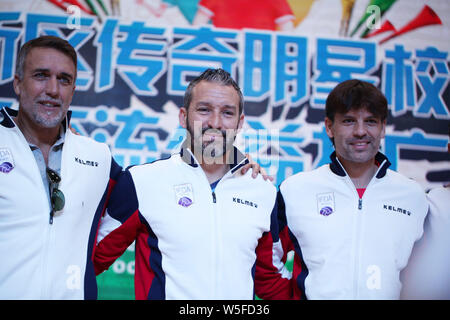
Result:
[
  {"x": 73, "y": 130},
  {"x": 256, "y": 168}
]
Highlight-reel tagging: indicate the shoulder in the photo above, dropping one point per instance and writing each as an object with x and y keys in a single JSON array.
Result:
[
  {"x": 87, "y": 151},
  {"x": 439, "y": 193},
  {"x": 249, "y": 184},
  {"x": 439, "y": 199},
  {"x": 160, "y": 165},
  {"x": 399, "y": 180},
  {"x": 256, "y": 190},
  {"x": 86, "y": 142},
  {"x": 406, "y": 190},
  {"x": 305, "y": 178},
  {"x": 259, "y": 182}
]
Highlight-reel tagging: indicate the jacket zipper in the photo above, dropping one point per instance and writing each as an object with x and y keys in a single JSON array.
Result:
[
  {"x": 216, "y": 237},
  {"x": 359, "y": 217},
  {"x": 216, "y": 247}
]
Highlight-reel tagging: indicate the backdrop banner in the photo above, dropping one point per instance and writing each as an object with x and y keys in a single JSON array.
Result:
[{"x": 136, "y": 58}]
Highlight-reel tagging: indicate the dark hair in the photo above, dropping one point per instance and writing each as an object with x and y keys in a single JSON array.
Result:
[
  {"x": 213, "y": 75},
  {"x": 354, "y": 95},
  {"x": 45, "y": 42}
]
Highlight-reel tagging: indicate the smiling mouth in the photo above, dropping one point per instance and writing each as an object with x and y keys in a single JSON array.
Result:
[
  {"x": 210, "y": 135},
  {"x": 360, "y": 144},
  {"x": 212, "y": 139},
  {"x": 49, "y": 104}
]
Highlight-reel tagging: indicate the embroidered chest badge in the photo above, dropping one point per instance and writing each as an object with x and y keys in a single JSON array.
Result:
[
  {"x": 184, "y": 194},
  {"x": 325, "y": 203},
  {"x": 6, "y": 160}
]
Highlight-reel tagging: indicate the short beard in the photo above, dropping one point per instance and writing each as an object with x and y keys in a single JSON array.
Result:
[
  {"x": 211, "y": 151},
  {"x": 48, "y": 122}
]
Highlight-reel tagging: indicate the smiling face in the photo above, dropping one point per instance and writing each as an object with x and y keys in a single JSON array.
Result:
[
  {"x": 212, "y": 118},
  {"x": 46, "y": 88},
  {"x": 357, "y": 135}
]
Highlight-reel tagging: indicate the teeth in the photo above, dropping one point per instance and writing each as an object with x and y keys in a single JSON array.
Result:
[
  {"x": 360, "y": 144},
  {"x": 47, "y": 104}
]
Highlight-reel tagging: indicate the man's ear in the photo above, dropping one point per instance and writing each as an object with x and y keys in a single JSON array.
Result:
[
  {"x": 241, "y": 122},
  {"x": 73, "y": 92},
  {"x": 182, "y": 117},
  {"x": 328, "y": 127},
  {"x": 16, "y": 85},
  {"x": 383, "y": 133}
]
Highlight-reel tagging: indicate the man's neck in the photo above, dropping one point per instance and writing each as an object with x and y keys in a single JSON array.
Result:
[
  {"x": 360, "y": 173},
  {"x": 214, "y": 171},
  {"x": 43, "y": 138}
]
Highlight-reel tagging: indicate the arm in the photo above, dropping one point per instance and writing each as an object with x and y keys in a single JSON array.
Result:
[
  {"x": 272, "y": 279},
  {"x": 120, "y": 224},
  {"x": 289, "y": 242}
]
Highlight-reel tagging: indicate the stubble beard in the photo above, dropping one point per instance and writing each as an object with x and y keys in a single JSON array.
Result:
[{"x": 211, "y": 151}]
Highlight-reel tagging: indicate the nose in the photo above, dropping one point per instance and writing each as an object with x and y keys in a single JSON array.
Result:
[
  {"x": 52, "y": 87},
  {"x": 359, "y": 129},
  {"x": 215, "y": 121}
]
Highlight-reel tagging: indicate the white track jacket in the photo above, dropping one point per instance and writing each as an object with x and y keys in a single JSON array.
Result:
[
  {"x": 191, "y": 242},
  {"x": 347, "y": 247},
  {"x": 42, "y": 260}
]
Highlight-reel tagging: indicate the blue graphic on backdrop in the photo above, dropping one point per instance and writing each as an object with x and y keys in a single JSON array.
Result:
[{"x": 132, "y": 78}]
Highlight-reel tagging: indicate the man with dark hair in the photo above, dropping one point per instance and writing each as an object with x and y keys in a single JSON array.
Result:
[
  {"x": 351, "y": 223},
  {"x": 53, "y": 183},
  {"x": 200, "y": 225}
]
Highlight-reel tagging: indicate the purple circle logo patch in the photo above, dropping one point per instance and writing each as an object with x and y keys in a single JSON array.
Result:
[
  {"x": 185, "y": 202},
  {"x": 326, "y": 211},
  {"x": 6, "y": 167}
]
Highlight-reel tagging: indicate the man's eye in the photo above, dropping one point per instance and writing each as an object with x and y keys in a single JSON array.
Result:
[
  {"x": 348, "y": 121},
  {"x": 229, "y": 113},
  {"x": 39, "y": 75},
  {"x": 65, "y": 81}
]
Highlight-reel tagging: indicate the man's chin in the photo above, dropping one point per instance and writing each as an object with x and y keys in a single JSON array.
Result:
[
  {"x": 362, "y": 158},
  {"x": 213, "y": 151},
  {"x": 49, "y": 122}
]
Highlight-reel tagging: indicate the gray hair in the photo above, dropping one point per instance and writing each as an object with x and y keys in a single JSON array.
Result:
[{"x": 45, "y": 42}]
